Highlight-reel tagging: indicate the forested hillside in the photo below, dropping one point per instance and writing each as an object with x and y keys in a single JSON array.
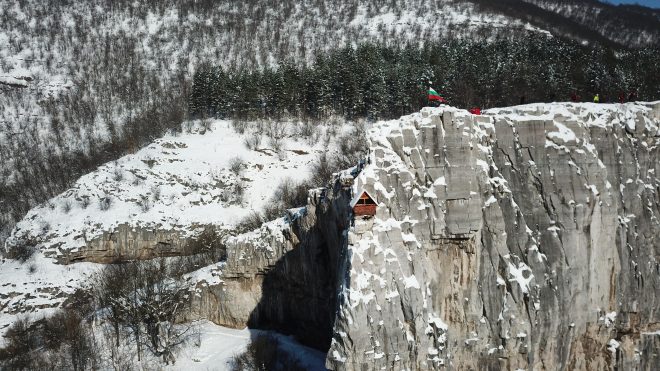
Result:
[
  {"x": 626, "y": 25},
  {"x": 588, "y": 21},
  {"x": 375, "y": 81},
  {"x": 84, "y": 82}
]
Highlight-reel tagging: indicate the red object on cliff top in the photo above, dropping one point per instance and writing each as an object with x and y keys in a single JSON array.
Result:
[
  {"x": 434, "y": 96},
  {"x": 475, "y": 111}
]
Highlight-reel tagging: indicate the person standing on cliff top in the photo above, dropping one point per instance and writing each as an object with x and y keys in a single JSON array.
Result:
[{"x": 597, "y": 98}]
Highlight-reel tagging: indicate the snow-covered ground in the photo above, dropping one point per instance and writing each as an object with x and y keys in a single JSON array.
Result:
[
  {"x": 177, "y": 182},
  {"x": 219, "y": 344},
  {"x": 37, "y": 288},
  {"x": 301, "y": 30},
  {"x": 210, "y": 348}
]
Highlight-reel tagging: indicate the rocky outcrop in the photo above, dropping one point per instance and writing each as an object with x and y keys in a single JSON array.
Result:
[
  {"x": 523, "y": 239},
  {"x": 283, "y": 276},
  {"x": 126, "y": 242},
  {"x": 526, "y": 238}
]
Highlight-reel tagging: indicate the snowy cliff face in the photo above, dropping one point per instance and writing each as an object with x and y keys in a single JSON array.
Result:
[{"x": 526, "y": 238}]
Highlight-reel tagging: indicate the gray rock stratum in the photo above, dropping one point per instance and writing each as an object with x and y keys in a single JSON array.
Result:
[{"x": 525, "y": 238}]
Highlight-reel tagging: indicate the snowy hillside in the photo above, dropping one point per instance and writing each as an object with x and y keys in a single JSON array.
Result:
[
  {"x": 178, "y": 182},
  {"x": 214, "y": 173},
  {"x": 205, "y": 176},
  {"x": 625, "y": 25},
  {"x": 288, "y": 29},
  {"x": 37, "y": 288},
  {"x": 218, "y": 345},
  {"x": 78, "y": 79}
]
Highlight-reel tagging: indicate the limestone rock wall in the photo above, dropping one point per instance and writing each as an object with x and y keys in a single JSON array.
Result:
[
  {"x": 126, "y": 242},
  {"x": 283, "y": 276},
  {"x": 526, "y": 238}
]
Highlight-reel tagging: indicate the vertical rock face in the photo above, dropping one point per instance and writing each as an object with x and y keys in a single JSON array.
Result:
[
  {"x": 125, "y": 242},
  {"x": 526, "y": 238},
  {"x": 283, "y": 276}
]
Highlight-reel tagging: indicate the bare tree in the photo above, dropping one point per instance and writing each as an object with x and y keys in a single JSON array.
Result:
[
  {"x": 162, "y": 299},
  {"x": 63, "y": 341},
  {"x": 146, "y": 298}
]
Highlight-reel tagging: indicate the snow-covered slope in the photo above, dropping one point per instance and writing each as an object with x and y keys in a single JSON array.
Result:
[
  {"x": 217, "y": 345},
  {"x": 175, "y": 186},
  {"x": 626, "y": 25},
  {"x": 239, "y": 33},
  {"x": 37, "y": 288},
  {"x": 41, "y": 44},
  {"x": 176, "y": 183}
]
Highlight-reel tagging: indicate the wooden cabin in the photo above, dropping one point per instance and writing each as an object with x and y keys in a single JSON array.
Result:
[{"x": 364, "y": 204}]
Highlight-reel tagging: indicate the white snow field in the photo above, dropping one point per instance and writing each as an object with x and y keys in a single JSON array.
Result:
[
  {"x": 219, "y": 344},
  {"x": 38, "y": 293},
  {"x": 174, "y": 183}
]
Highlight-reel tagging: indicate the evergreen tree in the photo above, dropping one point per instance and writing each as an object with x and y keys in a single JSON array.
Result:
[{"x": 377, "y": 81}]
